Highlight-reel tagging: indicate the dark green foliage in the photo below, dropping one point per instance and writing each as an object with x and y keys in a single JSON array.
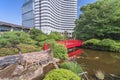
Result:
[
  {"x": 41, "y": 37},
  {"x": 7, "y": 51},
  {"x": 99, "y": 20},
  {"x": 107, "y": 42},
  {"x": 28, "y": 48},
  {"x": 9, "y": 43},
  {"x": 92, "y": 42},
  {"x": 61, "y": 74},
  {"x": 105, "y": 45},
  {"x": 73, "y": 66},
  {"x": 59, "y": 51},
  {"x": 48, "y": 41},
  {"x": 34, "y": 33},
  {"x": 4, "y": 42},
  {"x": 37, "y": 35},
  {"x": 56, "y": 36},
  {"x": 8, "y": 39}
]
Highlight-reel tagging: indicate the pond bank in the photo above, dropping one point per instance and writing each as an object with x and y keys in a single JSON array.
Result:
[
  {"x": 103, "y": 45},
  {"x": 32, "y": 67}
]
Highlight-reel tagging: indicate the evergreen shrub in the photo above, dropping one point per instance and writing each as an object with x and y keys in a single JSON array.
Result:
[{"x": 61, "y": 74}]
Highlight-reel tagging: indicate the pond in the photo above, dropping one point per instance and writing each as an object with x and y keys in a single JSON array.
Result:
[
  {"x": 107, "y": 62},
  {"x": 92, "y": 60}
]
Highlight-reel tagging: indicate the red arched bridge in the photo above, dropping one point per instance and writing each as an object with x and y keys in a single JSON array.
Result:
[
  {"x": 70, "y": 43},
  {"x": 67, "y": 43}
]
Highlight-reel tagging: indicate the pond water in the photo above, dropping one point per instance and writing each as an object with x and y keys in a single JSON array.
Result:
[
  {"x": 107, "y": 62},
  {"x": 92, "y": 60}
]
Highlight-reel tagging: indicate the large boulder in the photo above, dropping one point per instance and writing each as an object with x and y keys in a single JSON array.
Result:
[{"x": 18, "y": 71}]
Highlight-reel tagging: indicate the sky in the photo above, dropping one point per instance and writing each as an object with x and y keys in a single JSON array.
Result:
[{"x": 11, "y": 10}]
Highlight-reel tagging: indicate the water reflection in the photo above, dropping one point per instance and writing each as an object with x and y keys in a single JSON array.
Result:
[
  {"x": 75, "y": 54},
  {"x": 100, "y": 60},
  {"x": 107, "y": 62}
]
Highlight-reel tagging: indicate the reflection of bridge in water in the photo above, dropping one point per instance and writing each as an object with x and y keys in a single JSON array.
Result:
[
  {"x": 75, "y": 54},
  {"x": 72, "y": 44}
]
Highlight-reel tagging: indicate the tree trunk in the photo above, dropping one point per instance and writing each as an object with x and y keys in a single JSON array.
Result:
[{"x": 19, "y": 52}]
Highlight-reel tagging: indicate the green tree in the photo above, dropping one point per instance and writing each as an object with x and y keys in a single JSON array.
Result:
[
  {"x": 12, "y": 39},
  {"x": 99, "y": 20},
  {"x": 56, "y": 36},
  {"x": 37, "y": 35}
]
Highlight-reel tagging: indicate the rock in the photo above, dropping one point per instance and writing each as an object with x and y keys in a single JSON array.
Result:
[
  {"x": 38, "y": 72},
  {"x": 97, "y": 58},
  {"x": 6, "y": 72},
  {"x": 99, "y": 74},
  {"x": 18, "y": 71}
]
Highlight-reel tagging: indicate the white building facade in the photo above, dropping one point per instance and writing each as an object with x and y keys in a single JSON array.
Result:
[{"x": 50, "y": 15}]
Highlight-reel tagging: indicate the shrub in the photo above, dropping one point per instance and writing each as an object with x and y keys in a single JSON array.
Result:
[
  {"x": 4, "y": 43},
  {"x": 48, "y": 41},
  {"x": 61, "y": 74},
  {"x": 34, "y": 33},
  {"x": 7, "y": 51},
  {"x": 115, "y": 47},
  {"x": 73, "y": 66},
  {"x": 92, "y": 42},
  {"x": 107, "y": 42},
  {"x": 56, "y": 36},
  {"x": 105, "y": 45},
  {"x": 14, "y": 38},
  {"x": 41, "y": 37},
  {"x": 59, "y": 51},
  {"x": 28, "y": 48},
  {"x": 38, "y": 35},
  {"x": 24, "y": 48}
]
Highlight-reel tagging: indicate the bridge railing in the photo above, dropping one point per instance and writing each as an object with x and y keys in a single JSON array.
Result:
[{"x": 67, "y": 43}]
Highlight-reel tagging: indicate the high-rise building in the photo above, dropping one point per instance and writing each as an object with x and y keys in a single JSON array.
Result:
[
  {"x": 28, "y": 14},
  {"x": 50, "y": 15}
]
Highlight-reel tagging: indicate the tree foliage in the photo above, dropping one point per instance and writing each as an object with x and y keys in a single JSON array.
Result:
[
  {"x": 9, "y": 39},
  {"x": 99, "y": 20},
  {"x": 56, "y": 36},
  {"x": 37, "y": 35},
  {"x": 12, "y": 39}
]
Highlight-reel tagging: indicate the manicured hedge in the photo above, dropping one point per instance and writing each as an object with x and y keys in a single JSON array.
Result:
[
  {"x": 61, "y": 74},
  {"x": 105, "y": 45}
]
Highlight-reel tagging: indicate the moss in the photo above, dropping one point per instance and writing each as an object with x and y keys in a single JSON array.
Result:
[{"x": 24, "y": 48}]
